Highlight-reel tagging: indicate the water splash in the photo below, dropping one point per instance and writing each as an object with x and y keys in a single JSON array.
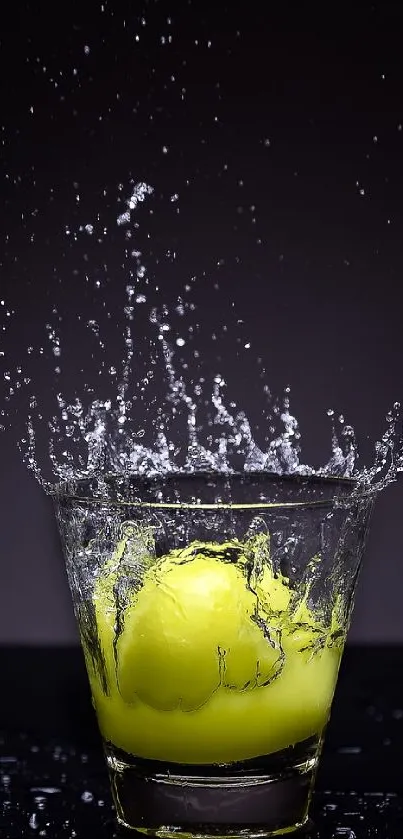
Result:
[{"x": 187, "y": 422}]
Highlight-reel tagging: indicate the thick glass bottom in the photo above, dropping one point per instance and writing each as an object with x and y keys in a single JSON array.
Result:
[{"x": 266, "y": 796}]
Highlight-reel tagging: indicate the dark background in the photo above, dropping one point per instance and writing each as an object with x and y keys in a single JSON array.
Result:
[{"x": 281, "y": 131}]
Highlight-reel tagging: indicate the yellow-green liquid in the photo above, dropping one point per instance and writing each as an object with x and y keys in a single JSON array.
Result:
[{"x": 211, "y": 666}]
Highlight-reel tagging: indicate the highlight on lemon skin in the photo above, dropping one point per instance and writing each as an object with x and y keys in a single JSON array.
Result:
[{"x": 215, "y": 662}]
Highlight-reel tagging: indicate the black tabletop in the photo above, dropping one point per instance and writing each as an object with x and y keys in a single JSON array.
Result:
[{"x": 52, "y": 776}]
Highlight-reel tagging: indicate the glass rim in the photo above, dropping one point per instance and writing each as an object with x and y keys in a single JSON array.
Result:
[{"x": 64, "y": 492}]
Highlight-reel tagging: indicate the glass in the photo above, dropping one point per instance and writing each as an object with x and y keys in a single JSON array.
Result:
[{"x": 213, "y": 612}]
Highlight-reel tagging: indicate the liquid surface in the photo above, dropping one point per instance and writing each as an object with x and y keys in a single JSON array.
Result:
[{"x": 215, "y": 661}]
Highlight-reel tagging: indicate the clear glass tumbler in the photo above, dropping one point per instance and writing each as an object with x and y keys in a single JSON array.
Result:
[{"x": 213, "y": 612}]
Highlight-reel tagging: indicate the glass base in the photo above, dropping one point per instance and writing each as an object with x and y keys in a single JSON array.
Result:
[{"x": 267, "y": 796}]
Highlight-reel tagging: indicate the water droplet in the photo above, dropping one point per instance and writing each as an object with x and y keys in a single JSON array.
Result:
[
  {"x": 33, "y": 821},
  {"x": 349, "y": 750}
]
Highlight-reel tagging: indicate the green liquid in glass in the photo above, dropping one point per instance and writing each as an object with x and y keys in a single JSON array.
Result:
[{"x": 215, "y": 663}]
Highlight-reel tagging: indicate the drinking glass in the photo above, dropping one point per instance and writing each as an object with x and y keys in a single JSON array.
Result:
[{"x": 213, "y": 612}]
